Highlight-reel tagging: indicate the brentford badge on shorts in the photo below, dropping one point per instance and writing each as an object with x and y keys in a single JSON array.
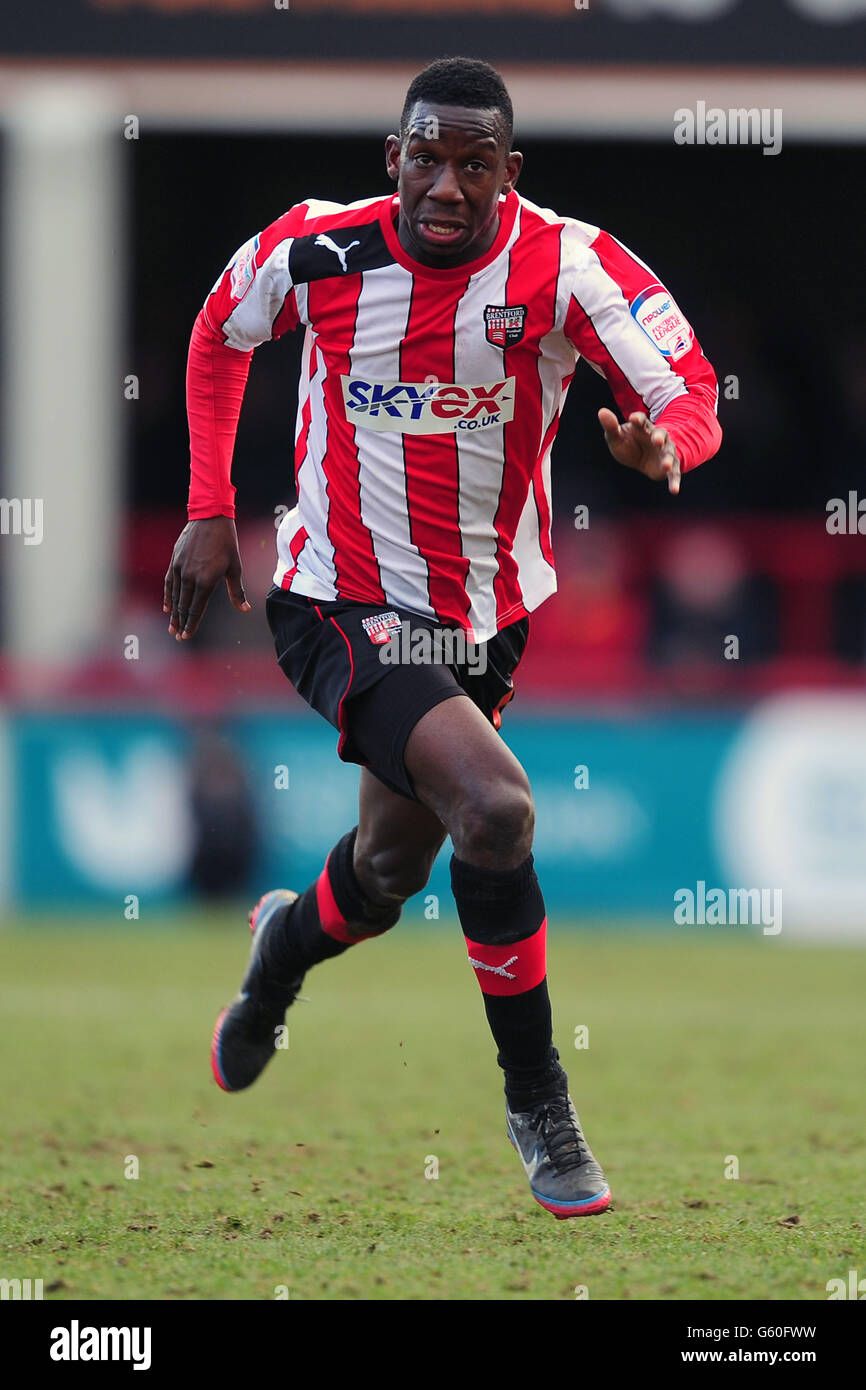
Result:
[
  {"x": 504, "y": 323},
  {"x": 380, "y": 627}
]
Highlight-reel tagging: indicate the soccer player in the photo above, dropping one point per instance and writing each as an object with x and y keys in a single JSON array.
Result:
[{"x": 443, "y": 325}]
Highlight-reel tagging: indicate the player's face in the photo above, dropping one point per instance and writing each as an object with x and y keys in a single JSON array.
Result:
[{"x": 450, "y": 170}]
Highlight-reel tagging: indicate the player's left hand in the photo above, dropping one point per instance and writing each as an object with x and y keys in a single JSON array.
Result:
[{"x": 640, "y": 444}]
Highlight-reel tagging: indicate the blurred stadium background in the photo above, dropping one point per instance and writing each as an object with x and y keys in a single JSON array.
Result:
[{"x": 141, "y": 143}]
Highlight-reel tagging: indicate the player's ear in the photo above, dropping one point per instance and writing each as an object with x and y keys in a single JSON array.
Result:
[
  {"x": 392, "y": 157},
  {"x": 513, "y": 166}
]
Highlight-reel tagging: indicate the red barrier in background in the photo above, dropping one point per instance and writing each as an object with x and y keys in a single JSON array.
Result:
[{"x": 645, "y": 609}]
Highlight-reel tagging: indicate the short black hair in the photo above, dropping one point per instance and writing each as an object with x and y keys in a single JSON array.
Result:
[{"x": 460, "y": 82}]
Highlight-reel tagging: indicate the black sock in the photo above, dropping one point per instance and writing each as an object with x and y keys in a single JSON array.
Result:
[
  {"x": 524, "y": 1035},
  {"x": 315, "y": 927},
  {"x": 503, "y": 919}
]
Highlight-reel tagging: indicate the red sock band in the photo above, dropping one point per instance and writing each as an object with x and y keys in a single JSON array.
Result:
[
  {"x": 510, "y": 969},
  {"x": 330, "y": 917}
]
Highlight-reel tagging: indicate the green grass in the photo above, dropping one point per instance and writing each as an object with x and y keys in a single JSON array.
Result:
[{"x": 699, "y": 1048}]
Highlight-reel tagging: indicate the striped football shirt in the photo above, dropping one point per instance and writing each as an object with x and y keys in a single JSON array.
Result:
[{"x": 429, "y": 399}]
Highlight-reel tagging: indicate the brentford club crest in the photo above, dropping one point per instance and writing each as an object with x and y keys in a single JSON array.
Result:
[
  {"x": 503, "y": 323},
  {"x": 380, "y": 627}
]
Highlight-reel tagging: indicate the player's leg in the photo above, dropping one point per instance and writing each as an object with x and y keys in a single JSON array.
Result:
[
  {"x": 471, "y": 780},
  {"x": 367, "y": 877},
  {"x": 396, "y": 844},
  {"x": 328, "y": 655},
  {"x": 358, "y": 894}
]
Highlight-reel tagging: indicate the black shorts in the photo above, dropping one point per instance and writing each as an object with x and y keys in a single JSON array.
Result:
[{"x": 335, "y": 664}]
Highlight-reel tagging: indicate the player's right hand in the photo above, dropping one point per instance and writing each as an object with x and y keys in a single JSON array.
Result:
[{"x": 205, "y": 552}]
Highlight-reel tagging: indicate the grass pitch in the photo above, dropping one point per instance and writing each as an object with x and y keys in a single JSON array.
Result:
[{"x": 312, "y": 1184}]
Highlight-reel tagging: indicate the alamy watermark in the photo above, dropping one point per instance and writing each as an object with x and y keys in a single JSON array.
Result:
[
  {"x": 739, "y": 125},
  {"x": 20, "y": 1289},
  {"x": 22, "y": 516},
  {"x": 846, "y": 516},
  {"x": 77, "y": 1343},
  {"x": 854, "y": 1287},
  {"x": 402, "y": 644},
  {"x": 716, "y": 907}
]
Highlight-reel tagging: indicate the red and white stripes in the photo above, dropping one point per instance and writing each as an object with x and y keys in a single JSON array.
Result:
[{"x": 452, "y": 524}]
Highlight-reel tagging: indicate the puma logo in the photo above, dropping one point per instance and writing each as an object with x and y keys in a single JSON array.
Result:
[
  {"x": 495, "y": 969},
  {"x": 339, "y": 251}
]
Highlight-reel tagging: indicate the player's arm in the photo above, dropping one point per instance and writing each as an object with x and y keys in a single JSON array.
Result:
[
  {"x": 630, "y": 329},
  {"x": 252, "y": 302}
]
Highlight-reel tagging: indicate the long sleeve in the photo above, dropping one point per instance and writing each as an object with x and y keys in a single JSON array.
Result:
[
  {"x": 216, "y": 377},
  {"x": 692, "y": 425},
  {"x": 627, "y": 325},
  {"x": 252, "y": 302}
]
